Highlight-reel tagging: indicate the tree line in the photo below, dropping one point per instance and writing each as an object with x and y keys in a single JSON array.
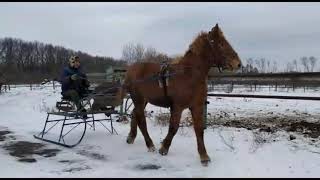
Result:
[
  {"x": 31, "y": 62},
  {"x": 262, "y": 65},
  {"x": 24, "y": 61}
]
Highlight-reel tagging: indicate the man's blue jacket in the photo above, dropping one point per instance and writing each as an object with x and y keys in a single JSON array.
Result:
[{"x": 65, "y": 79}]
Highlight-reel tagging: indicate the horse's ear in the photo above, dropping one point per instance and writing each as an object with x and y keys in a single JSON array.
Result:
[{"x": 215, "y": 28}]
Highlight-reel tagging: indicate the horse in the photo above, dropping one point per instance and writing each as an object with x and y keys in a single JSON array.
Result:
[{"x": 186, "y": 88}]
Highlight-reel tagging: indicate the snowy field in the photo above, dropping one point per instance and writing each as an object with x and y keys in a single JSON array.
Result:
[{"x": 234, "y": 152}]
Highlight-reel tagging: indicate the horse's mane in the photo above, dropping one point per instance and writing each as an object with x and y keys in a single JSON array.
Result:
[{"x": 197, "y": 45}]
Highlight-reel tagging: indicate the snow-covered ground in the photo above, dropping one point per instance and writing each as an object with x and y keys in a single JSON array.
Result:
[{"x": 234, "y": 152}]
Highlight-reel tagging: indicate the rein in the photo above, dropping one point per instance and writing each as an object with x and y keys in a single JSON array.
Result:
[
  {"x": 148, "y": 79},
  {"x": 211, "y": 42}
]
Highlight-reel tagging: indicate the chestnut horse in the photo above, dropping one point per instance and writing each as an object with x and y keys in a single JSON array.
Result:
[{"x": 187, "y": 87}]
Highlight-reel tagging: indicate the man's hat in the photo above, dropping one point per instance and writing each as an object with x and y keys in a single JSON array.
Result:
[{"x": 73, "y": 59}]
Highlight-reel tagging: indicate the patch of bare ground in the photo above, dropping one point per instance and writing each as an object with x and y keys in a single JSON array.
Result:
[
  {"x": 302, "y": 123},
  {"x": 24, "y": 150}
]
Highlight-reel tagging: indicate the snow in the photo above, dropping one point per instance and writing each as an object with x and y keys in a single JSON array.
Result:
[{"x": 234, "y": 152}]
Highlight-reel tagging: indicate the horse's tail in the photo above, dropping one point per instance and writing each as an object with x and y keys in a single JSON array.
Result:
[{"x": 122, "y": 91}]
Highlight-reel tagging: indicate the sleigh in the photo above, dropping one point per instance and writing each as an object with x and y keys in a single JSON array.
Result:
[{"x": 67, "y": 125}]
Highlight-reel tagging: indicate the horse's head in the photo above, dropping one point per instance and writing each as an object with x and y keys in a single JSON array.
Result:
[{"x": 224, "y": 56}]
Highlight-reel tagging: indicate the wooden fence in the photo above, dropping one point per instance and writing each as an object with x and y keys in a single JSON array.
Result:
[{"x": 274, "y": 81}]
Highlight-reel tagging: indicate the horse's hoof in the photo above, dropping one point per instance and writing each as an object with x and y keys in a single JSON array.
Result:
[
  {"x": 163, "y": 151},
  {"x": 205, "y": 163},
  {"x": 130, "y": 140},
  {"x": 151, "y": 149}
]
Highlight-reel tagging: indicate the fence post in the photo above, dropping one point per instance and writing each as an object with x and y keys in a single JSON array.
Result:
[
  {"x": 30, "y": 86},
  {"x": 212, "y": 86},
  {"x": 276, "y": 86},
  {"x": 53, "y": 85},
  {"x": 293, "y": 87},
  {"x": 269, "y": 87}
]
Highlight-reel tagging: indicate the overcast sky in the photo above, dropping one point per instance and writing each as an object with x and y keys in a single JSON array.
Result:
[{"x": 276, "y": 31}]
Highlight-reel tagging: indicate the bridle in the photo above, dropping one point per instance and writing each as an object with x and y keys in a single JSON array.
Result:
[{"x": 212, "y": 44}]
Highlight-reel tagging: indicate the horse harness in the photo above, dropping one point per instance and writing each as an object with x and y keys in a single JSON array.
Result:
[{"x": 163, "y": 77}]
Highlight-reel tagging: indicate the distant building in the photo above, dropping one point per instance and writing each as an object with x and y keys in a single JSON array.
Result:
[{"x": 115, "y": 73}]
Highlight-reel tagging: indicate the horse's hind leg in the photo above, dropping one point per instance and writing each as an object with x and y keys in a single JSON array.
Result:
[
  {"x": 173, "y": 128},
  {"x": 197, "y": 117},
  {"x": 139, "y": 117},
  {"x": 133, "y": 128}
]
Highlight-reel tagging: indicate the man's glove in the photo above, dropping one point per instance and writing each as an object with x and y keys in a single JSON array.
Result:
[
  {"x": 74, "y": 77},
  {"x": 86, "y": 83}
]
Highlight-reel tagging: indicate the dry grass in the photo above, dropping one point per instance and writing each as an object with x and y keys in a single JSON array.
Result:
[{"x": 163, "y": 119}]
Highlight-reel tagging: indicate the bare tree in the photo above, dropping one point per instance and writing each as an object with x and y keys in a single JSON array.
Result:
[
  {"x": 263, "y": 65},
  {"x": 152, "y": 55},
  {"x": 149, "y": 54},
  {"x": 295, "y": 64},
  {"x": 305, "y": 64},
  {"x": 250, "y": 61},
  {"x": 132, "y": 53},
  {"x": 274, "y": 67},
  {"x": 162, "y": 57},
  {"x": 249, "y": 67},
  {"x": 139, "y": 51},
  {"x": 258, "y": 63},
  {"x": 290, "y": 67},
  {"x": 313, "y": 62},
  {"x": 268, "y": 66},
  {"x": 128, "y": 53}
]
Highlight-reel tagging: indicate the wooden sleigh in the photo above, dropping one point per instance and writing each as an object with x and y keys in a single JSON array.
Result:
[{"x": 67, "y": 126}]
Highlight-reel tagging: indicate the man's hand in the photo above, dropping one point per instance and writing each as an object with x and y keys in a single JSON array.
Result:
[
  {"x": 86, "y": 83},
  {"x": 74, "y": 77}
]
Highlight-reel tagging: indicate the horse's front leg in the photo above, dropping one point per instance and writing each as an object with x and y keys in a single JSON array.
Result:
[
  {"x": 197, "y": 117},
  {"x": 173, "y": 128}
]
